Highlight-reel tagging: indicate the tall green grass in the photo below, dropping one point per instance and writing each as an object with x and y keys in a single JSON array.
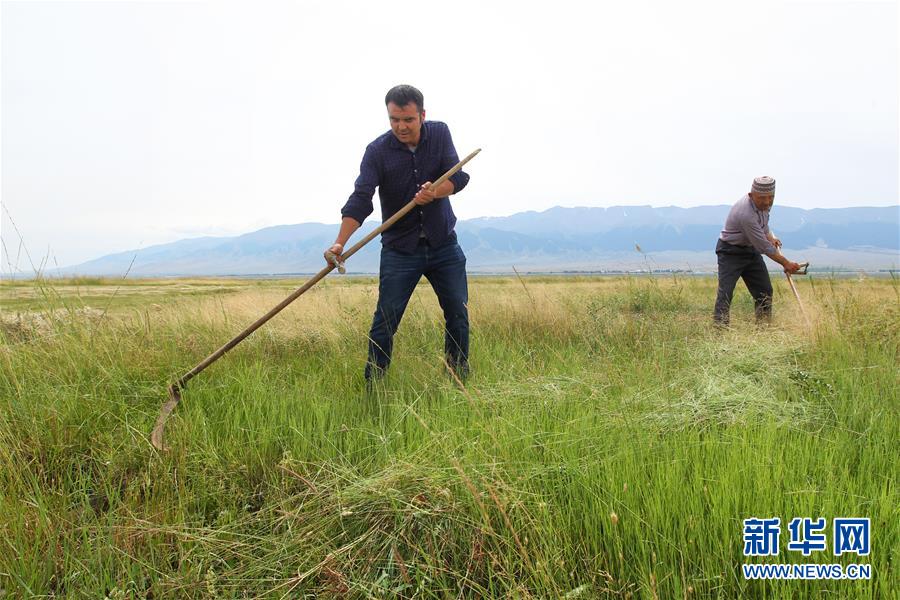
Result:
[{"x": 608, "y": 444}]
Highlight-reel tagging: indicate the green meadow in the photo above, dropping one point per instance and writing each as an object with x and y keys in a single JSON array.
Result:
[{"x": 608, "y": 444}]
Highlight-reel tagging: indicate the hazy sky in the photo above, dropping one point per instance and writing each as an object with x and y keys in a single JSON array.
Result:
[{"x": 126, "y": 124}]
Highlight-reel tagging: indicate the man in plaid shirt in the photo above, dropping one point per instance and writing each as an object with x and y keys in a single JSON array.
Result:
[{"x": 402, "y": 163}]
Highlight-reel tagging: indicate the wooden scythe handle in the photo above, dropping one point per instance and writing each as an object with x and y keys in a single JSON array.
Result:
[{"x": 156, "y": 436}]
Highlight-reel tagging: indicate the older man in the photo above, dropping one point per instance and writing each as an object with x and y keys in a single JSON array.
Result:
[
  {"x": 402, "y": 163},
  {"x": 743, "y": 241}
]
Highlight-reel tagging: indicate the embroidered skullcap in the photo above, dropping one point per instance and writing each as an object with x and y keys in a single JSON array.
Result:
[{"x": 764, "y": 185}]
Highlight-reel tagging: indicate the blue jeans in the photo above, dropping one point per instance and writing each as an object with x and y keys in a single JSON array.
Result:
[{"x": 400, "y": 271}]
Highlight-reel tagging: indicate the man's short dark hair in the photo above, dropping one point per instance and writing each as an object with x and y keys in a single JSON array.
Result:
[{"x": 401, "y": 95}]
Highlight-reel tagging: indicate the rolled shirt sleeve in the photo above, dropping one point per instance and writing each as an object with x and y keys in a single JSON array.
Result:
[{"x": 448, "y": 159}]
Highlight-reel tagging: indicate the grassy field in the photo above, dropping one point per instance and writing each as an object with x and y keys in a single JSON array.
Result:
[{"x": 609, "y": 442}]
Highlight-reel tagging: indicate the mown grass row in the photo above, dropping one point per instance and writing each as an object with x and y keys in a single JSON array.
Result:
[{"x": 608, "y": 444}]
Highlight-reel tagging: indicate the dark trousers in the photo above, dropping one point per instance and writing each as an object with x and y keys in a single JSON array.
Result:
[
  {"x": 445, "y": 269},
  {"x": 744, "y": 262}
]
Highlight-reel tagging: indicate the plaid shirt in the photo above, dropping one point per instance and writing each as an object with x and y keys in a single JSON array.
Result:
[{"x": 398, "y": 173}]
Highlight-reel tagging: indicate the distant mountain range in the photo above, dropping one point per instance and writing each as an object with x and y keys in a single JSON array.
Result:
[{"x": 619, "y": 238}]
